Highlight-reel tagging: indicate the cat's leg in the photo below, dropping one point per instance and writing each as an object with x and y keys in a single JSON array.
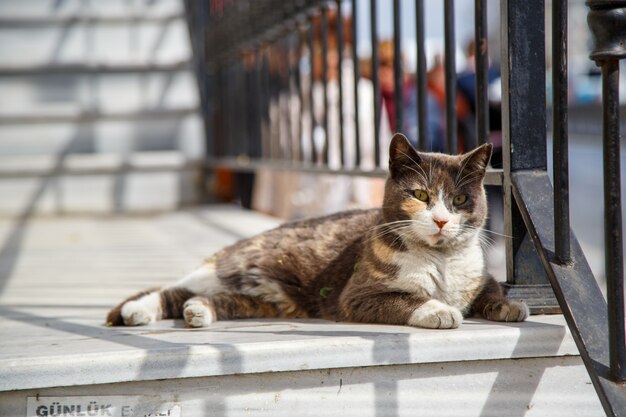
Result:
[
  {"x": 200, "y": 311},
  {"x": 491, "y": 304},
  {"x": 400, "y": 308},
  {"x": 149, "y": 306}
]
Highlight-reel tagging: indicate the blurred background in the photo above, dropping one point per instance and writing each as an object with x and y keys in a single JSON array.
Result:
[{"x": 100, "y": 112}]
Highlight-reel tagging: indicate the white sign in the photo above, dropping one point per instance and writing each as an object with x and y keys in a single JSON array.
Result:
[{"x": 100, "y": 406}]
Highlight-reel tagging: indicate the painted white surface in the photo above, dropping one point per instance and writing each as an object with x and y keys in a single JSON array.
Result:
[
  {"x": 66, "y": 273},
  {"x": 527, "y": 387},
  {"x": 59, "y": 277},
  {"x": 99, "y": 187},
  {"x": 156, "y": 35}
]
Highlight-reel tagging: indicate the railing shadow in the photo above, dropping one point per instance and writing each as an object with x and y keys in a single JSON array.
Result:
[
  {"x": 12, "y": 245},
  {"x": 499, "y": 398}
]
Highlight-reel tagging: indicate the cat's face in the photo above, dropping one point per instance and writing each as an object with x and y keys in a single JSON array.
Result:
[{"x": 435, "y": 199}]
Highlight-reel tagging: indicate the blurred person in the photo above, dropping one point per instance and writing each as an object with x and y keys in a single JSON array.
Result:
[
  {"x": 386, "y": 79},
  {"x": 466, "y": 86},
  {"x": 436, "y": 84}
]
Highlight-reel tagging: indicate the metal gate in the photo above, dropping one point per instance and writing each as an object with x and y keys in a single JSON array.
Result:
[{"x": 255, "y": 64}]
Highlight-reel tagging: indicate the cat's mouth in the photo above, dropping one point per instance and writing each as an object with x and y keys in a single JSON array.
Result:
[{"x": 439, "y": 238}]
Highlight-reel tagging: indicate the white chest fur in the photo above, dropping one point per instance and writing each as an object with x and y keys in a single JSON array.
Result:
[{"x": 453, "y": 278}]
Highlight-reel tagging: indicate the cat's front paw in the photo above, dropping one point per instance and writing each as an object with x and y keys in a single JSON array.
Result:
[
  {"x": 509, "y": 311},
  {"x": 434, "y": 314}
]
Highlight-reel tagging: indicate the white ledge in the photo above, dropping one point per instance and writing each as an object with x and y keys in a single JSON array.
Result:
[
  {"x": 65, "y": 352},
  {"x": 72, "y": 270}
]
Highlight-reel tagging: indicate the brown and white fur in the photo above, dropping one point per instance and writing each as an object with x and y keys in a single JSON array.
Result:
[{"x": 416, "y": 261}]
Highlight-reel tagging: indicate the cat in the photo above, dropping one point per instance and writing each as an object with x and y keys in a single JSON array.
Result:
[{"x": 416, "y": 261}]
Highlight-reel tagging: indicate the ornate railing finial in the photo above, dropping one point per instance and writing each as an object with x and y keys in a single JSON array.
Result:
[{"x": 607, "y": 21}]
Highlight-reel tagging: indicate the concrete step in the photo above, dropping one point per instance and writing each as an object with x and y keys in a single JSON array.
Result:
[
  {"x": 78, "y": 68},
  {"x": 146, "y": 41},
  {"x": 72, "y": 114},
  {"x": 56, "y": 8},
  {"x": 142, "y": 182},
  {"x": 183, "y": 132},
  {"x": 56, "y": 348}
]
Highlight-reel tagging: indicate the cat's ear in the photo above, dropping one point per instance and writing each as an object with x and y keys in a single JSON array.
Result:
[
  {"x": 477, "y": 159},
  {"x": 401, "y": 153}
]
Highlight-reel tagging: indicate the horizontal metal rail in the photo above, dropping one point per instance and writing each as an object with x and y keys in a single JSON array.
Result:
[{"x": 242, "y": 164}]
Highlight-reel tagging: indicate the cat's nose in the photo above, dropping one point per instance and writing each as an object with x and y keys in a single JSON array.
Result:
[{"x": 440, "y": 223}]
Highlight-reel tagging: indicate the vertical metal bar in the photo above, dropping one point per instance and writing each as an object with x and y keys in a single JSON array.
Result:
[
  {"x": 607, "y": 21},
  {"x": 228, "y": 98},
  {"x": 560, "y": 140},
  {"x": 258, "y": 65},
  {"x": 342, "y": 159},
  {"x": 310, "y": 36},
  {"x": 197, "y": 17},
  {"x": 422, "y": 92},
  {"x": 481, "y": 57},
  {"x": 450, "y": 70},
  {"x": 271, "y": 101},
  {"x": 375, "y": 83},
  {"x": 256, "y": 148},
  {"x": 397, "y": 68},
  {"x": 614, "y": 263},
  {"x": 265, "y": 99},
  {"x": 240, "y": 125},
  {"x": 523, "y": 118},
  {"x": 288, "y": 96},
  {"x": 324, "y": 21},
  {"x": 226, "y": 91},
  {"x": 355, "y": 64},
  {"x": 300, "y": 95},
  {"x": 248, "y": 102}
]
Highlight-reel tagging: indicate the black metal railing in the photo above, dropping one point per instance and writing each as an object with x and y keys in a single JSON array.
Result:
[
  {"x": 257, "y": 60},
  {"x": 607, "y": 20}
]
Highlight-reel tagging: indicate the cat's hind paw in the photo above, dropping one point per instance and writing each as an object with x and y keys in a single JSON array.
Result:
[
  {"x": 136, "y": 313},
  {"x": 508, "y": 311},
  {"x": 434, "y": 314},
  {"x": 198, "y": 312},
  {"x": 141, "y": 308}
]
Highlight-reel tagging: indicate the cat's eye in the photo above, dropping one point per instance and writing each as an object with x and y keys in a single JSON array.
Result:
[
  {"x": 459, "y": 199},
  {"x": 421, "y": 195}
]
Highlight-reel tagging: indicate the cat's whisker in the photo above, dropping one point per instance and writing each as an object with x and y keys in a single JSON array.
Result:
[
  {"x": 423, "y": 175},
  {"x": 389, "y": 230},
  {"x": 486, "y": 244},
  {"x": 469, "y": 178},
  {"x": 395, "y": 230},
  {"x": 409, "y": 221},
  {"x": 487, "y": 231},
  {"x": 418, "y": 173},
  {"x": 456, "y": 180},
  {"x": 401, "y": 236}
]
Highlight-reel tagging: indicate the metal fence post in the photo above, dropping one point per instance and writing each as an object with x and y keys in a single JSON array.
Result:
[
  {"x": 607, "y": 21},
  {"x": 524, "y": 143}
]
